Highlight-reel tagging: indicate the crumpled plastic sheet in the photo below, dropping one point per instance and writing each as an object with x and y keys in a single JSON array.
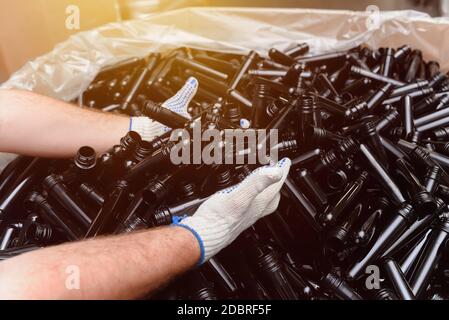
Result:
[{"x": 67, "y": 71}]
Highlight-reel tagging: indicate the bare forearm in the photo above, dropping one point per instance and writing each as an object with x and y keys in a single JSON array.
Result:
[
  {"x": 35, "y": 125},
  {"x": 124, "y": 267}
]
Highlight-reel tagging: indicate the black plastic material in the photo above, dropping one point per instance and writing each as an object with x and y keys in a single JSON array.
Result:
[
  {"x": 398, "y": 280},
  {"x": 57, "y": 190},
  {"x": 163, "y": 115},
  {"x": 430, "y": 257},
  {"x": 365, "y": 128},
  {"x": 397, "y": 224}
]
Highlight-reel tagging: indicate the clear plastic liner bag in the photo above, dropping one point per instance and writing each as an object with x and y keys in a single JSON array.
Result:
[{"x": 67, "y": 71}]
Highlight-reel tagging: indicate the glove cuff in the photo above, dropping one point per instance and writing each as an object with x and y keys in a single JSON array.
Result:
[
  {"x": 147, "y": 128},
  {"x": 212, "y": 238}
]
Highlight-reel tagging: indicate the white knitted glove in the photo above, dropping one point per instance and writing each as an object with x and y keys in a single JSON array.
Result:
[
  {"x": 180, "y": 102},
  {"x": 149, "y": 129},
  {"x": 221, "y": 219}
]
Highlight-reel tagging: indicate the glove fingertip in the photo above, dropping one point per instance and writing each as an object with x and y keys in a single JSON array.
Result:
[
  {"x": 275, "y": 174},
  {"x": 284, "y": 163},
  {"x": 193, "y": 82}
]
